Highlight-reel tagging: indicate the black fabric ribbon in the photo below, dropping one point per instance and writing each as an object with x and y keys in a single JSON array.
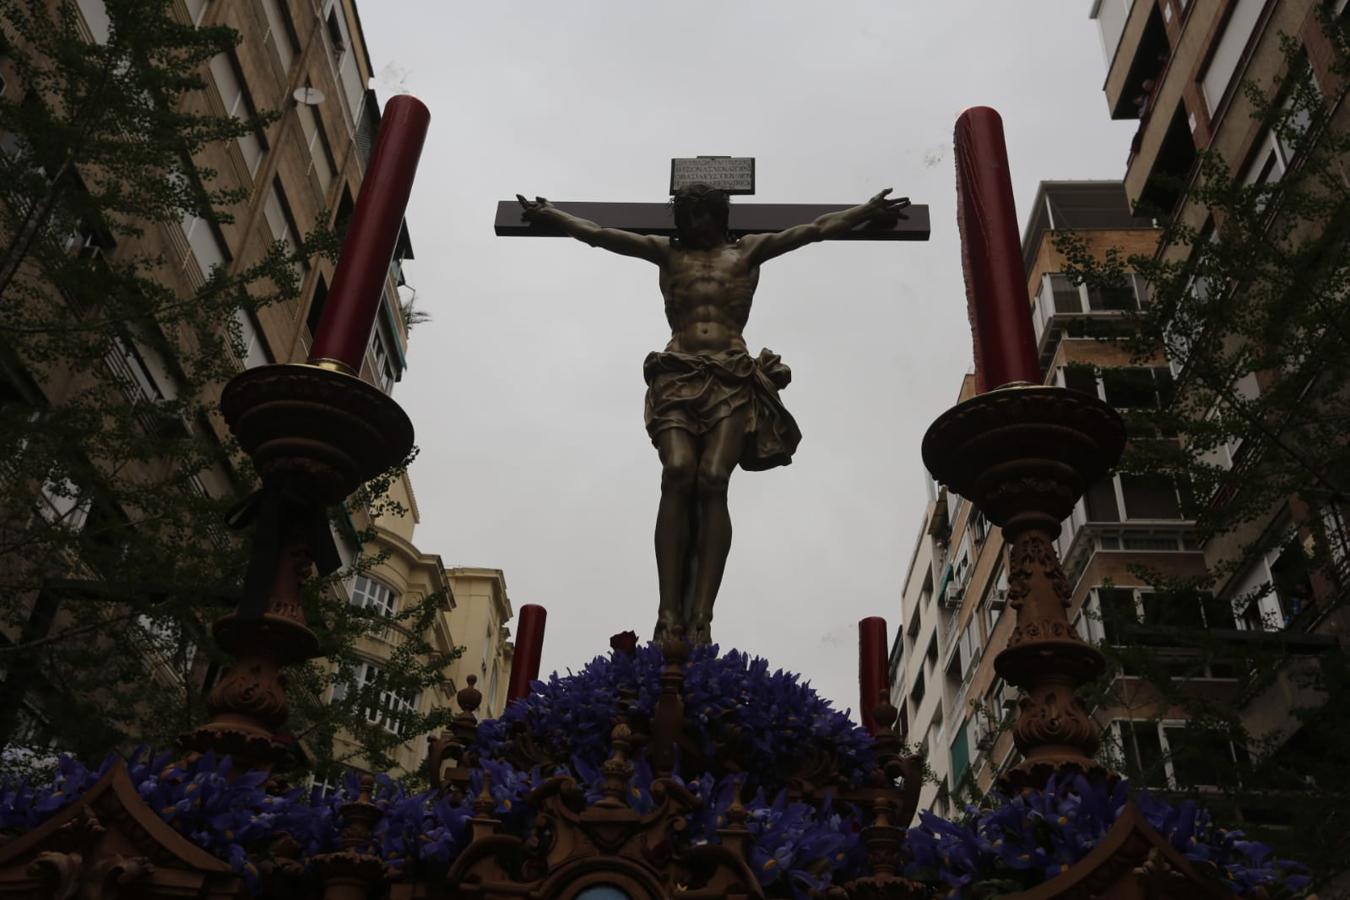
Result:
[{"x": 272, "y": 511}]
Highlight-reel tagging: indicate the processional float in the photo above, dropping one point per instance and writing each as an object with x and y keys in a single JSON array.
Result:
[{"x": 661, "y": 767}]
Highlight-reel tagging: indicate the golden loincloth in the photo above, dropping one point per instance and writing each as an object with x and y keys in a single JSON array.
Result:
[{"x": 694, "y": 392}]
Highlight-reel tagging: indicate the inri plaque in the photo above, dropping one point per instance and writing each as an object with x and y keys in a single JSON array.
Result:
[{"x": 733, "y": 174}]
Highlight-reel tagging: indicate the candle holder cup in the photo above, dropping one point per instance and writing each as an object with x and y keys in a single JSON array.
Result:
[
  {"x": 315, "y": 435},
  {"x": 1023, "y": 455}
]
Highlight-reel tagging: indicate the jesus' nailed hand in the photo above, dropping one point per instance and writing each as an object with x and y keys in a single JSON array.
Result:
[{"x": 710, "y": 406}]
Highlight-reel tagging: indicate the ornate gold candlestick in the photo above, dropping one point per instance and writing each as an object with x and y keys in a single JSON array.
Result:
[
  {"x": 315, "y": 435},
  {"x": 1024, "y": 454}
]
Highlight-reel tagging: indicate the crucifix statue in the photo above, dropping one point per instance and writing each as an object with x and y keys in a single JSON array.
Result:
[{"x": 710, "y": 405}]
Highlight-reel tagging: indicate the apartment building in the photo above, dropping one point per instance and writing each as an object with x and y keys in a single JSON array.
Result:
[
  {"x": 473, "y": 613},
  {"x": 1182, "y": 68},
  {"x": 1178, "y": 68},
  {"x": 954, "y": 602},
  {"x": 481, "y": 612},
  {"x": 307, "y": 62}
]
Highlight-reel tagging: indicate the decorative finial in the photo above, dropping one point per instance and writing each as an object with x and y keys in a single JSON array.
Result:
[{"x": 470, "y": 697}]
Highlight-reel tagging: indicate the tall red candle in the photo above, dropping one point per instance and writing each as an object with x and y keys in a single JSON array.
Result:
[
  {"x": 991, "y": 254},
  {"x": 358, "y": 283},
  {"x": 873, "y": 667},
  {"x": 529, "y": 647}
]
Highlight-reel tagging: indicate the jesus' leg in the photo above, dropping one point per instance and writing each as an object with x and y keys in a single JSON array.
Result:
[
  {"x": 679, "y": 458},
  {"x": 721, "y": 451}
]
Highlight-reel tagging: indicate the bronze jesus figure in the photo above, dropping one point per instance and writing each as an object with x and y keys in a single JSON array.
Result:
[{"x": 710, "y": 405}]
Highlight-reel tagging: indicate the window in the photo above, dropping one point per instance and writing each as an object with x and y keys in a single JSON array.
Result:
[
  {"x": 969, "y": 646},
  {"x": 916, "y": 692},
  {"x": 251, "y": 349},
  {"x": 208, "y": 250},
  {"x": 234, "y": 97},
  {"x": 382, "y": 364},
  {"x": 346, "y": 207},
  {"x": 1267, "y": 166},
  {"x": 321, "y": 788},
  {"x": 367, "y": 593},
  {"x": 339, "y": 41},
  {"x": 996, "y": 600},
  {"x": 1228, "y": 50},
  {"x": 979, "y": 526},
  {"x": 961, "y": 571},
  {"x": 336, "y": 33},
  {"x": 315, "y": 313},
  {"x": 1121, "y": 607},
  {"x": 1140, "y": 744},
  {"x": 1175, "y": 755},
  {"x": 1137, "y": 387},
  {"x": 390, "y": 709},
  {"x": 320, "y": 154},
  {"x": 62, "y": 504},
  {"x": 960, "y": 755},
  {"x": 491, "y": 691},
  {"x": 1199, "y": 757},
  {"x": 1079, "y": 377},
  {"x": 1140, "y": 497},
  {"x": 1066, "y": 297},
  {"x": 282, "y": 225},
  {"x": 197, "y": 10},
  {"x": 280, "y": 32},
  {"x": 1274, "y": 590},
  {"x": 1100, "y": 501},
  {"x": 1149, "y": 497}
]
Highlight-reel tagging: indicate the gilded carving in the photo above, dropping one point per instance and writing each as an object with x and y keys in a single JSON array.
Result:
[
  {"x": 253, "y": 689},
  {"x": 1054, "y": 716},
  {"x": 1032, "y": 554}
]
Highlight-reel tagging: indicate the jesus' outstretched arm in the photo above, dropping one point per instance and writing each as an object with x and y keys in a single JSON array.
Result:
[
  {"x": 761, "y": 247},
  {"x": 616, "y": 240}
]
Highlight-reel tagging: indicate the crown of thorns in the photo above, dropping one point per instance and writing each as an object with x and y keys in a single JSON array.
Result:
[{"x": 700, "y": 193}]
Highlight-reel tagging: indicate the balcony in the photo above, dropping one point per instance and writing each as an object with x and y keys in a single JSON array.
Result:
[
  {"x": 1134, "y": 41},
  {"x": 1160, "y": 169},
  {"x": 1132, "y": 513},
  {"x": 1063, "y": 309}
]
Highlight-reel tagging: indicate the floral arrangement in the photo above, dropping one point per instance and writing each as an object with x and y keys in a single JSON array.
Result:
[
  {"x": 1014, "y": 843},
  {"x": 796, "y": 849},
  {"x": 776, "y": 718}
]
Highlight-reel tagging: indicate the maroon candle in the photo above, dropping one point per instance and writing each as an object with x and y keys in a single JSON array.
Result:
[
  {"x": 529, "y": 646},
  {"x": 358, "y": 283},
  {"x": 873, "y": 664},
  {"x": 991, "y": 254}
]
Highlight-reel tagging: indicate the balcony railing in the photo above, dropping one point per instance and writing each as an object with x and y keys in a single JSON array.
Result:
[{"x": 1061, "y": 308}]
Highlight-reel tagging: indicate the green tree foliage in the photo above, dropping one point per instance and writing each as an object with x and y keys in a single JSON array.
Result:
[
  {"x": 1250, "y": 301},
  {"x": 115, "y": 472}
]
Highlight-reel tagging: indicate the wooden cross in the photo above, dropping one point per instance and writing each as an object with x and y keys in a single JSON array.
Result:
[{"x": 746, "y": 218}]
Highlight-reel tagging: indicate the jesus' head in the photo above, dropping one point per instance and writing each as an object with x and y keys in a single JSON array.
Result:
[{"x": 701, "y": 214}]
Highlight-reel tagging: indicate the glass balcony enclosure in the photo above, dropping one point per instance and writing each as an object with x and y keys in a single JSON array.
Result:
[{"x": 1062, "y": 308}]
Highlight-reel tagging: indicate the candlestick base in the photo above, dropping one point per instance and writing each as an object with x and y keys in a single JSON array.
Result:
[
  {"x": 319, "y": 432},
  {"x": 1024, "y": 452},
  {"x": 315, "y": 435},
  {"x": 1024, "y": 455}
]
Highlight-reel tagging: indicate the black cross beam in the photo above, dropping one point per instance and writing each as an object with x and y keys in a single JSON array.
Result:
[{"x": 746, "y": 218}]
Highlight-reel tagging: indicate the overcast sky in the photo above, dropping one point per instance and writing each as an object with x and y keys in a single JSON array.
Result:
[{"x": 526, "y": 386}]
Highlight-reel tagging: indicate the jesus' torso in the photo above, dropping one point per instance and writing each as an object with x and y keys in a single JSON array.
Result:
[{"x": 708, "y": 294}]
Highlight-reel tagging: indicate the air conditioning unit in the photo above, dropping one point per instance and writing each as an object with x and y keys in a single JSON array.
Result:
[
  {"x": 1009, "y": 697},
  {"x": 998, "y": 598},
  {"x": 951, "y": 597}
]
